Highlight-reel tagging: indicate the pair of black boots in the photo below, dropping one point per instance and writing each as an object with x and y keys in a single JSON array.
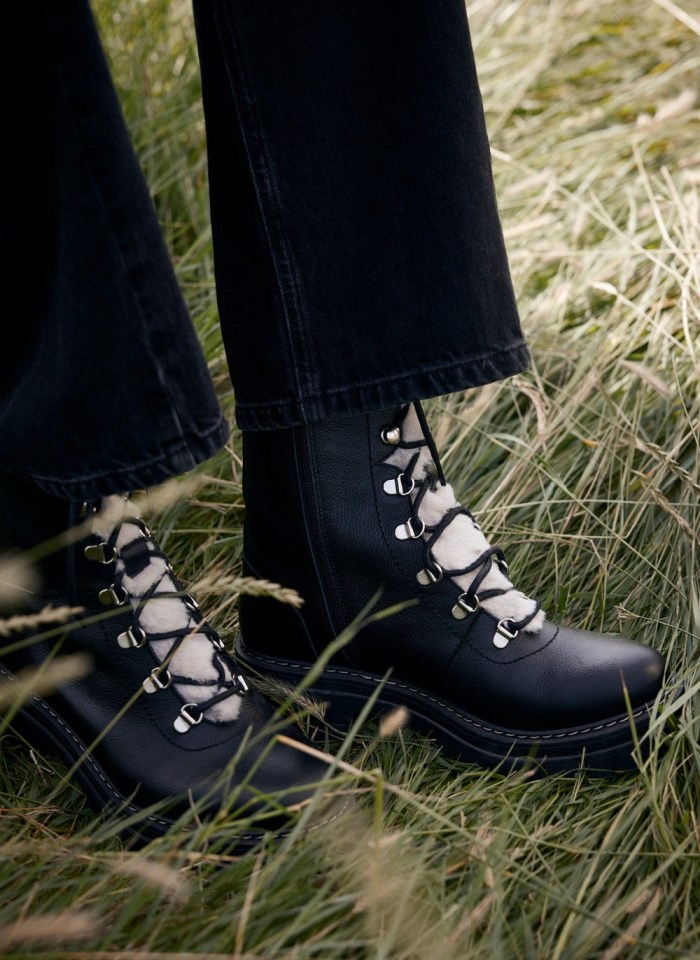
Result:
[{"x": 346, "y": 513}]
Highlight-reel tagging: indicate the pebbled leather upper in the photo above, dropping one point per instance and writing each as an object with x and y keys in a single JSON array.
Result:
[
  {"x": 143, "y": 756},
  {"x": 318, "y": 520}
]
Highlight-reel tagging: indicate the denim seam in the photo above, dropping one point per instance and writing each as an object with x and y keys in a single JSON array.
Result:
[
  {"x": 138, "y": 297},
  {"x": 477, "y": 358},
  {"x": 173, "y": 448},
  {"x": 264, "y": 184}
]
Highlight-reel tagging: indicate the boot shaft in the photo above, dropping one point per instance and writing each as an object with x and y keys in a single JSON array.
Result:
[
  {"x": 319, "y": 520},
  {"x": 39, "y": 526}
]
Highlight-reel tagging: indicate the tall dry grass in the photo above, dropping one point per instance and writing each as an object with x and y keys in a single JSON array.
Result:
[{"x": 586, "y": 468}]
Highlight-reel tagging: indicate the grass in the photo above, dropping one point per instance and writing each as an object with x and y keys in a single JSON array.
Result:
[{"x": 586, "y": 469}]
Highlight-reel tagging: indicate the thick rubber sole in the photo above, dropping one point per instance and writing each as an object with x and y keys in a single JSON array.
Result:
[
  {"x": 609, "y": 746},
  {"x": 39, "y": 725}
]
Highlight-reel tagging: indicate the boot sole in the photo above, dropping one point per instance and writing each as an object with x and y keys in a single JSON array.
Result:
[
  {"x": 37, "y": 723},
  {"x": 612, "y": 745}
]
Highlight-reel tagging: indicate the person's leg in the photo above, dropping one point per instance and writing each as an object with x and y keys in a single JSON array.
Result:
[
  {"x": 105, "y": 389},
  {"x": 360, "y": 260},
  {"x": 104, "y": 386},
  {"x": 362, "y": 267}
]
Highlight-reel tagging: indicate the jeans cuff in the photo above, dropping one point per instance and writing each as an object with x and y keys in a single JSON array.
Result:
[
  {"x": 174, "y": 459},
  {"x": 363, "y": 398}
]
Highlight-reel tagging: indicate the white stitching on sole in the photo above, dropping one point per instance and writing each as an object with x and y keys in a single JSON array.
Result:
[
  {"x": 620, "y": 721},
  {"x": 130, "y": 806}
]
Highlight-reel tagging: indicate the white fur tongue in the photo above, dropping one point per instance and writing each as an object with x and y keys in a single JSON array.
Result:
[
  {"x": 462, "y": 542},
  {"x": 194, "y": 658}
]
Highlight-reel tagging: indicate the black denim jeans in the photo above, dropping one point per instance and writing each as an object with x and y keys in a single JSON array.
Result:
[{"x": 359, "y": 256}]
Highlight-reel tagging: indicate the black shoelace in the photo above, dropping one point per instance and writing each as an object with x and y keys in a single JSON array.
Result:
[
  {"x": 415, "y": 528},
  {"x": 136, "y": 555}
]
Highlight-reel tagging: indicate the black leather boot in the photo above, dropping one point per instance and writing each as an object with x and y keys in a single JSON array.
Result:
[
  {"x": 338, "y": 511},
  {"x": 164, "y": 716}
]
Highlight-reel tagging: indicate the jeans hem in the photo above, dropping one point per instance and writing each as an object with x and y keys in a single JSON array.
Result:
[
  {"x": 177, "y": 457},
  {"x": 364, "y": 398}
]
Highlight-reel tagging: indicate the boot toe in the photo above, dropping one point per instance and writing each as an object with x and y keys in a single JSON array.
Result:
[
  {"x": 643, "y": 675},
  {"x": 601, "y": 676}
]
